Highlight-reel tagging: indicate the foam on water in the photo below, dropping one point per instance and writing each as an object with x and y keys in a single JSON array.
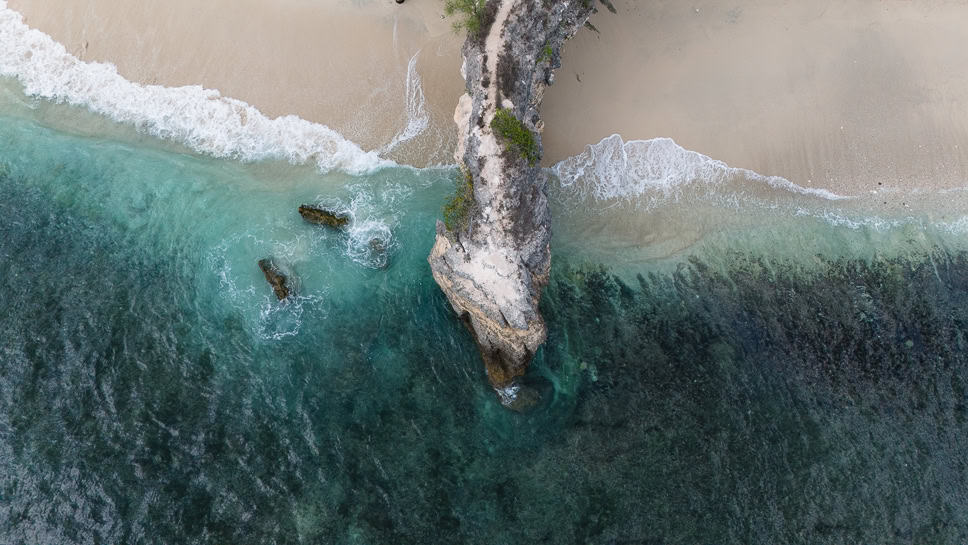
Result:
[
  {"x": 641, "y": 202},
  {"x": 369, "y": 238},
  {"x": 874, "y": 223},
  {"x": 643, "y": 170},
  {"x": 200, "y": 118},
  {"x": 417, "y": 118},
  {"x": 271, "y": 319}
]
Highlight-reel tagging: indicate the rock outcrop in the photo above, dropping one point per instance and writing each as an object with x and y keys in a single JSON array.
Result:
[
  {"x": 321, "y": 216},
  {"x": 495, "y": 263},
  {"x": 275, "y": 278}
]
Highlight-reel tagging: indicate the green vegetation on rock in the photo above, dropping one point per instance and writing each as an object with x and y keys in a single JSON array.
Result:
[
  {"x": 457, "y": 210},
  {"x": 546, "y": 54},
  {"x": 472, "y": 15},
  {"x": 516, "y": 135}
]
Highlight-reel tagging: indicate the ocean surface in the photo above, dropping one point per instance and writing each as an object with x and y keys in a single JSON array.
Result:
[{"x": 732, "y": 358}]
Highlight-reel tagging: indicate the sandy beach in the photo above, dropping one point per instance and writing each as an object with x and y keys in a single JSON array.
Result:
[
  {"x": 843, "y": 95},
  {"x": 836, "y": 94}
]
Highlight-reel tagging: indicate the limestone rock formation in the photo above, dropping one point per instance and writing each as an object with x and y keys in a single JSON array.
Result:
[{"x": 494, "y": 265}]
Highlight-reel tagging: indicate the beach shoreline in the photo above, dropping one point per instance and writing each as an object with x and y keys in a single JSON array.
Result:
[
  {"x": 346, "y": 65},
  {"x": 850, "y": 96}
]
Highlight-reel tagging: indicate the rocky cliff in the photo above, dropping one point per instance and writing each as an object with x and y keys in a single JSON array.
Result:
[{"x": 494, "y": 263}]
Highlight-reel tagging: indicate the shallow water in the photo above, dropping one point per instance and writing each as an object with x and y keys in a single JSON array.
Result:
[{"x": 729, "y": 360}]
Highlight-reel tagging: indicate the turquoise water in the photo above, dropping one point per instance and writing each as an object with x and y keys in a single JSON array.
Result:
[{"x": 723, "y": 366}]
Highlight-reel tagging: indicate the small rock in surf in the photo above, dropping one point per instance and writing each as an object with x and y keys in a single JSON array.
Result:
[
  {"x": 321, "y": 216},
  {"x": 274, "y": 277},
  {"x": 379, "y": 252}
]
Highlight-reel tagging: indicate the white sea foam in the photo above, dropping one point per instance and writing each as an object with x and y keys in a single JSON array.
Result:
[
  {"x": 374, "y": 211},
  {"x": 241, "y": 286},
  {"x": 200, "y": 118},
  {"x": 417, "y": 118},
  {"x": 617, "y": 170},
  {"x": 839, "y": 218},
  {"x": 508, "y": 394}
]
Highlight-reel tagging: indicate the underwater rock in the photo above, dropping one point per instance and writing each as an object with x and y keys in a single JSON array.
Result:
[
  {"x": 274, "y": 277},
  {"x": 494, "y": 266},
  {"x": 377, "y": 245},
  {"x": 518, "y": 398},
  {"x": 379, "y": 252},
  {"x": 321, "y": 216}
]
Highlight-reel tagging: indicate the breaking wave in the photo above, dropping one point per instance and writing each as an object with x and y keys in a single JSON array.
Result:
[
  {"x": 199, "y": 118},
  {"x": 616, "y": 170}
]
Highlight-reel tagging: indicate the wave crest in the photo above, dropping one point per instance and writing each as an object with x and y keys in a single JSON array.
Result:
[{"x": 614, "y": 169}]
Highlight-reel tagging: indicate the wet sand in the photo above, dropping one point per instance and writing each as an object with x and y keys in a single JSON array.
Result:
[{"x": 841, "y": 94}]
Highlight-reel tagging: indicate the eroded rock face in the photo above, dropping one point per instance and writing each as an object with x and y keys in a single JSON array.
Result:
[
  {"x": 321, "y": 216},
  {"x": 494, "y": 268},
  {"x": 275, "y": 278}
]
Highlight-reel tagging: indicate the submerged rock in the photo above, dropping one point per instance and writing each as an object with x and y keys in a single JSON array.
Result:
[
  {"x": 493, "y": 266},
  {"x": 321, "y": 216},
  {"x": 378, "y": 245},
  {"x": 518, "y": 398},
  {"x": 379, "y": 252},
  {"x": 274, "y": 277}
]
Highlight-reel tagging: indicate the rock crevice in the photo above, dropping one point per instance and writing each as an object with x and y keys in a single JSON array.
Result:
[{"x": 493, "y": 268}]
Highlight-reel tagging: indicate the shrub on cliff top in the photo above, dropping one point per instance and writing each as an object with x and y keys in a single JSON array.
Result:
[
  {"x": 457, "y": 210},
  {"x": 516, "y": 135},
  {"x": 472, "y": 15}
]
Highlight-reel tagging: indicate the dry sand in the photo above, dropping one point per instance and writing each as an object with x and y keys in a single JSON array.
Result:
[{"x": 841, "y": 94}]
